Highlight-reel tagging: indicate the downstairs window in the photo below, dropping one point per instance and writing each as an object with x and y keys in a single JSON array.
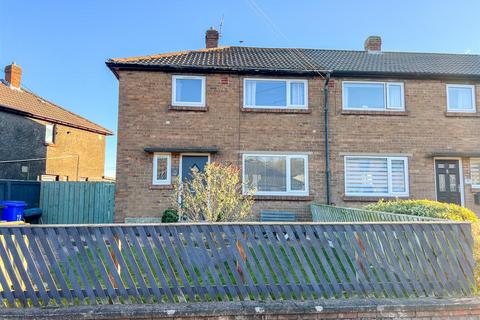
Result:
[
  {"x": 271, "y": 174},
  {"x": 376, "y": 176}
]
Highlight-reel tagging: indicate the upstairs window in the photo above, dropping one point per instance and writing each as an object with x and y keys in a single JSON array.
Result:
[
  {"x": 460, "y": 98},
  {"x": 375, "y": 96},
  {"x": 49, "y": 133},
  {"x": 162, "y": 168},
  {"x": 275, "y": 94},
  {"x": 188, "y": 91},
  {"x": 376, "y": 176},
  {"x": 271, "y": 174}
]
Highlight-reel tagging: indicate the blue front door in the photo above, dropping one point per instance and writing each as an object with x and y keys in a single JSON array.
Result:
[{"x": 189, "y": 163}]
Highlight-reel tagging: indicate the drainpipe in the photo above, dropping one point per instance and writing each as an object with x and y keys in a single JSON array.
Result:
[{"x": 327, "y": 146}]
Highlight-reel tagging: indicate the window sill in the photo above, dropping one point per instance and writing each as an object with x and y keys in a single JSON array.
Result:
[
  {"x": 188, "y": 108},
  {"x": 49, "y": 144},
  {"x": 282, "y": 198},
  {"x": 461, "y": 114},
  {"x": 374, "y": 113},
  {"x": 161, "y": 187},
  {"x": 277, "y": 110},
  {"x": 371, "y": 199}
]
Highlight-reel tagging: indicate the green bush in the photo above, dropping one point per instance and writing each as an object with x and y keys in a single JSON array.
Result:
[
  {"x": 425, "y": 208},
  {"x": 169, "y": 216}
]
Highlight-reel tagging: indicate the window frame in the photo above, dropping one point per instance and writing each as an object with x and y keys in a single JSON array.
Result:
[
  {"x": 389, "y": 176},
  {"x": 288, "y": 94},
  {"x": 176, "y": 103},
  {"x": 288, "y": 192},
  {"x": 386, "y": 98},
  {"x": 472, "y": 96},
  {"x": 155, "y": 181},
  {"x": 49, "y": 125},
  {"x": 473, "y": 184}
]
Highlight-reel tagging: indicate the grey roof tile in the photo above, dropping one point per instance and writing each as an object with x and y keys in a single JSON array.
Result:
[{"x": 308, "y": 60}]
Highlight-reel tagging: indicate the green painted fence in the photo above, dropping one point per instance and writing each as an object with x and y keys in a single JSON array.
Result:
[
  {"x": 77, "y": 202},
  {"x": 326, "y": 213}
]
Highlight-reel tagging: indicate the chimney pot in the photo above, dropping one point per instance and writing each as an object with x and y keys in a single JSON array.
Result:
[
  {"x": 373, "y": 43},
  {"x": 211, "y": 38},
  {"x": 13, "y": 75}
]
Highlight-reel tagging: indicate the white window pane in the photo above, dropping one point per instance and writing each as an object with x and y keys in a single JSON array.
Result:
[
  {"x": 266, "y": 173},
  {"x": 460, "y": 98},
  {"x": 266, "y": 93},
  {"x": 49, "y": 133},
  {"x": 364, "y": 95},
  {"x": 162, "y": 167},
  {"x": 188, "y": 90},
  {"x": 297, "y": 174},
  {"x": 475, "y": 171},
  {"x": 367, "y": 175},
  {"x": 297, "y": 93},
  {"x": 395, "y": 96},
  {"x": 398, "y": 176}
]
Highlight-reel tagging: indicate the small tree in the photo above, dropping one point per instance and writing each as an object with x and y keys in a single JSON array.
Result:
[{"x": 213, "y": 195}]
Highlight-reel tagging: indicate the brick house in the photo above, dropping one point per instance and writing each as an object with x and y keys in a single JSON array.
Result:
[
  {"x": 43, "y": 141},
  {"x": 398, "y": 124}
]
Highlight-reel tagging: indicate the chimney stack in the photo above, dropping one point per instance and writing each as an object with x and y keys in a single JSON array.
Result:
[
  {"x": 373, "y": 44},
  {"x": 13, "y": 75},
  {"x": 211, "y": 38}
]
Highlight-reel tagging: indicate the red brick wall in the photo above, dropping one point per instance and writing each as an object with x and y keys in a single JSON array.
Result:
[
  {"x": 147, "y": 119},
  {"x": 423, "y": 129}
]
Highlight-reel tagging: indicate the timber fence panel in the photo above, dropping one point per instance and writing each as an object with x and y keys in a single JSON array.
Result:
[
  {"x": 62, "y": 265},
  {"x": 77, "y": 202}
]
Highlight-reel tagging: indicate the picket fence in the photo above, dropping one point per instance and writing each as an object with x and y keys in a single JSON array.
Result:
[{"x": 152, "y": 263}]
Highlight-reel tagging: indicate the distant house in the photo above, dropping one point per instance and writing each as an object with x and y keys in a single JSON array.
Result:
[{"x": 40, "y": 140}]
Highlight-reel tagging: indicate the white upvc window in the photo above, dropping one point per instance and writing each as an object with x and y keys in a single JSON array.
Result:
[
  {"x": 188, "y": 91},
  {"x": 276, "y": 174},
  {"x": 475, "y": 172},
  {"x": 373, "y": 96},
  {"x": 461, "y": 98},
  {"x": 49, "y": 133},
  {"x": 162, "y": 169},
  {"x": 376, "y": 176},
  {"x": 275, "y": 93}
]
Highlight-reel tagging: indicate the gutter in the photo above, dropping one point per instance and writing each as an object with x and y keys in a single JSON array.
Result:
[
  {"x": 117, "y": 66},
  {"x": 325, "y": 131}
]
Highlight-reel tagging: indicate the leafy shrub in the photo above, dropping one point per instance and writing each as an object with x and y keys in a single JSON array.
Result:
[
  {"x": 425, "y": 208},
  {"x": 169, "y": 216},
  {"x": 214, "y": 195}
]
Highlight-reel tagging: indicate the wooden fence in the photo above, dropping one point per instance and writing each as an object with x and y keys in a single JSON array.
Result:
[
  {"x": 28, "y": 191},
  {"x": 105, "y": 264},
  {"x": 77, "y": 202},
  {"x": 327, "y": 213}
]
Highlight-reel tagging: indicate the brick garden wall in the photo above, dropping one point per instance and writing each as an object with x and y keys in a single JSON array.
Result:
[{"x": 424, "y": 309}]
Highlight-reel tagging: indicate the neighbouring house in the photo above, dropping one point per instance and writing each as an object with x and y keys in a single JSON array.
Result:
[
  {"x": 42, "y": 141},
  {"x": 398, "y": 124}
]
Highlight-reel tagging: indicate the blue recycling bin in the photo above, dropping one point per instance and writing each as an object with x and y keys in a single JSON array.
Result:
[{"x": 13, "y": 210}]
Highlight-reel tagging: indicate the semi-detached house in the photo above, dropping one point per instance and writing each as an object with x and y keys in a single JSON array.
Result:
[{"x": 398, "y": 124}]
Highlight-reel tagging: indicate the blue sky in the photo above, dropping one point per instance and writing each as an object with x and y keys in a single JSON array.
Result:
[{"x": 62, "y": 45}]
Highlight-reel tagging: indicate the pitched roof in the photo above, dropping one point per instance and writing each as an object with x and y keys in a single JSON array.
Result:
[
  {"x": 25, "y": 102},
  {"x": 308, "y": 61}
]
